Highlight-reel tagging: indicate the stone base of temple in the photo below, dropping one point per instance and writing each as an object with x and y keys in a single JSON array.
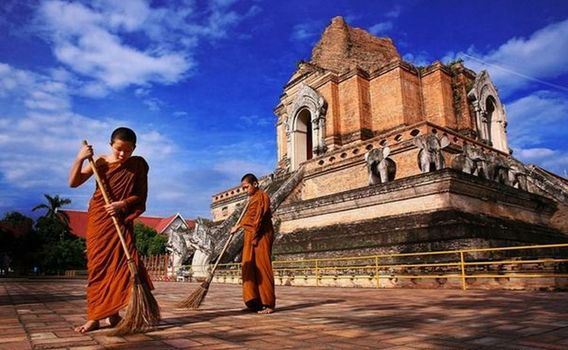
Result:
[{"x": 437, "y": 211}]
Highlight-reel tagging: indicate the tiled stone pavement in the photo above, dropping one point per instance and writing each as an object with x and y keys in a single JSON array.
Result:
[{"x": 40, "y": 314}]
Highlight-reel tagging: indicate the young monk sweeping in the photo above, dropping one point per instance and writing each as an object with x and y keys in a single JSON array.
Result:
[
  {"x": 258, "y": 278},
  {"x": 126, "y": 179}
]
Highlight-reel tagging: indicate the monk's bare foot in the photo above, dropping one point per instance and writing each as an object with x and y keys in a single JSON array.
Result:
[
  {"x": 266, "y": 311},
  {"x": 90, "y": 325},
  {"x": 113, "y": 320}
]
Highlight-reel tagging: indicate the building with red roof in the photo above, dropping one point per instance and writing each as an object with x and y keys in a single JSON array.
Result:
[{"x": 162, "y": 225}]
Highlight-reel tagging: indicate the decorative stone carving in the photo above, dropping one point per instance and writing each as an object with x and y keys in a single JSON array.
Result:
[
  {"x": 492, "y": 166},
  {"x": 471, "y": 161},
  {"x": 430, "y": 157},
  {"x": 517, "y": 174},
  {"x": 491, "y": 120},
  {"x": 381, "y": 168},
  {"x": 203, "y": 244},
  {"x": 498, "y": 168},
  {"x": 179, "y": 247},
  {"x": 310, "y": 99}
]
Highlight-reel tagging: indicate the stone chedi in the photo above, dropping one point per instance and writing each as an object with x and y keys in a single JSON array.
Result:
[{"x": 398, "y": 158}]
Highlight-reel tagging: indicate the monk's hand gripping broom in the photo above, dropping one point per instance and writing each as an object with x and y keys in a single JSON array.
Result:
[
  {"x": 142, "y": 312},
  {"x": 196, "y": 298}
]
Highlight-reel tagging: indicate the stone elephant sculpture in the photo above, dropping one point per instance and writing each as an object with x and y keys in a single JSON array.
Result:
[
  {"x": 517, "y": 175},
  {"x": 498, "y": 168},
  {"x": 381, "y": 168},
  {"x": 430, "y": 156},
  {"x": 472, "y": 161}
]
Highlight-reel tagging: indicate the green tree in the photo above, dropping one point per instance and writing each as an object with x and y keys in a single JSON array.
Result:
[
  {"x": 68, "y": 254},
  {"x": 148, "y": 241},
  {"x": 18, "y": 243},
  {"x": 59, "y": 249},
  {"x": 53, "y": 205},
  {"x": 158, "y": 245},
  {"x": 54, "y": 224}
]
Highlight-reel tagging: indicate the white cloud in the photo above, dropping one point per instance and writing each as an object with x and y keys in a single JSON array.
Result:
[
  {"x": 537, "y": 129},
  {"x": 237, "y": 168},
  {"x": 82, "y": 40},
  {"x": 534, "y": 154},
  {"x": 394, "y": 13},
  {"x": 555, "y": 160},
  {"x": 537, "y": 119},
  {"x": 421, "y": 59},
  {"x": 381, "y": 28},
  {"x": 89, "y": 38},
  {"x": 306, "y": 31},
  {"x": 522, "y": 62},
  {"x": 12, "y": 80},
  {"x": 255, "y": 120}
]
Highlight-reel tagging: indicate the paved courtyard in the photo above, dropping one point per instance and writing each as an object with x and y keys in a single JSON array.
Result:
[{"x": 41, "y": 314}]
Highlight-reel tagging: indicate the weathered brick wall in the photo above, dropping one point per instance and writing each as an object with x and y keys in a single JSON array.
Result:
[
  {"x": 438, "y": 97},
  {"x": 349, "y": 102},
  {"x": 411, "y": 96},
  {"x": 387, "y": 105}
]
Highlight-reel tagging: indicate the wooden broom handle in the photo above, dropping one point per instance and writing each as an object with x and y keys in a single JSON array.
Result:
[
  {"x": 229, "y": 240},
  {"x": 107, "y": 201}
]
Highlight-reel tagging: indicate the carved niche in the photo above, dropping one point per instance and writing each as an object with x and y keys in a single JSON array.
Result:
[
  {"x": 490, "y": 117},
  {"x": 307, "y": 99}
]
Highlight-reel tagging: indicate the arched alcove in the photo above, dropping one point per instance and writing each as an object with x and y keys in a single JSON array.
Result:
[
  {"x": 490, "y": 118},
  {"x": 305, "y": 127},
  {"x": 302, "y": 138}
]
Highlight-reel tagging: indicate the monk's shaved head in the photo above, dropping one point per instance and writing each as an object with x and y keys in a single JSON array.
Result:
[
  {"x": 124, "y": 134},
  {"x": 250, "y": 178}
]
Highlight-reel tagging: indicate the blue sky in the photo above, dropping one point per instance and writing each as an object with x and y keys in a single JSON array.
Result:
[{"x": 198, "y": 81}]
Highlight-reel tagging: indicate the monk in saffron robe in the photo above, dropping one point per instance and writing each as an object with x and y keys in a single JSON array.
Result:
[
  {"x": 257, "y": 275},
  {"x": 125, "y": 179}
]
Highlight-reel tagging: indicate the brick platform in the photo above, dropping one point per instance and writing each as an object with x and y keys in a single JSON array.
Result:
[{"x": 41, "y": 314}]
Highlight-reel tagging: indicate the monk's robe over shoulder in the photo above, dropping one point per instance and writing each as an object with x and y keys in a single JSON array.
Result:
[{"x": 109, "y": 283}]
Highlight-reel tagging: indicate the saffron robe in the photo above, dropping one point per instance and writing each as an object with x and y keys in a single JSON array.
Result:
[
  {"x": 109, "y": 279},
  {"x": 257, "y": 274}
]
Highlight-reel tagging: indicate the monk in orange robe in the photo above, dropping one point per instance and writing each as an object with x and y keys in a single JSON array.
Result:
[
  {"x": 126, "y": 182},
  {"x": 258, "y": 278}
]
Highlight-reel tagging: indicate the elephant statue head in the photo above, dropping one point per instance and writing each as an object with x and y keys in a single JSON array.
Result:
[
  {"x": 381, "y": 168},
  {"x": 430, "y": 156},
  {"x": 498, "y": 168},
  {"x": 517, "y": 174},
  {"x": 472, "y": 160}
]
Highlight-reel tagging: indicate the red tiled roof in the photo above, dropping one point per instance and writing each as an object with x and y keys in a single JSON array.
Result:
[
  {"x": 163, "y": 224},
  {"x": 78, "y": 222}
]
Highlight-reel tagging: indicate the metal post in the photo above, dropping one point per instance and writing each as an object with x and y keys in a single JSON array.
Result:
[
  {"x": 377, "y": 270},
  {"x": 464, "y": 287},
  {"x": 317, "y": 273}
]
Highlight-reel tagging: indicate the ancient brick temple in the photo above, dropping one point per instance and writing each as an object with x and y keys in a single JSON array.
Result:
[{"x": 388, "y": 156}]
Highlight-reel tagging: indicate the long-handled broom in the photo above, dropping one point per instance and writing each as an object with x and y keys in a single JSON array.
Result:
[
  {"x": 142, "y": 312},
  {"x": 196, "y": 298}
]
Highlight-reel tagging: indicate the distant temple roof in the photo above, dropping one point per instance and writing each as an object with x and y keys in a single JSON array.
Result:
[
  {"x": 78, "y": 222},
  {"x": 342, "y": 48}
]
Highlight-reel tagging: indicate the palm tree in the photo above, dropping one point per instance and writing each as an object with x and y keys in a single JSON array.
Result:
[{"x": 53, "y": 205}]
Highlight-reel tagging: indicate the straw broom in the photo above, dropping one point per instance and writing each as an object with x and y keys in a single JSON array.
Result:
[
  {"x": 196, "y": 298},
  {"x": 142, "y": 312}
]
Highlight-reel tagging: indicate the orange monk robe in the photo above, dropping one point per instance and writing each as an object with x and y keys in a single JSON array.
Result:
[
  {"x": 258, "y": 278},
  {"x": 109, "y": 284}
]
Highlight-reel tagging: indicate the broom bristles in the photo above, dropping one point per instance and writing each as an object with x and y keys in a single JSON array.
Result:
[
  {"x": 196, "y": 298},
  {"x": 142, "y": 312}
]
